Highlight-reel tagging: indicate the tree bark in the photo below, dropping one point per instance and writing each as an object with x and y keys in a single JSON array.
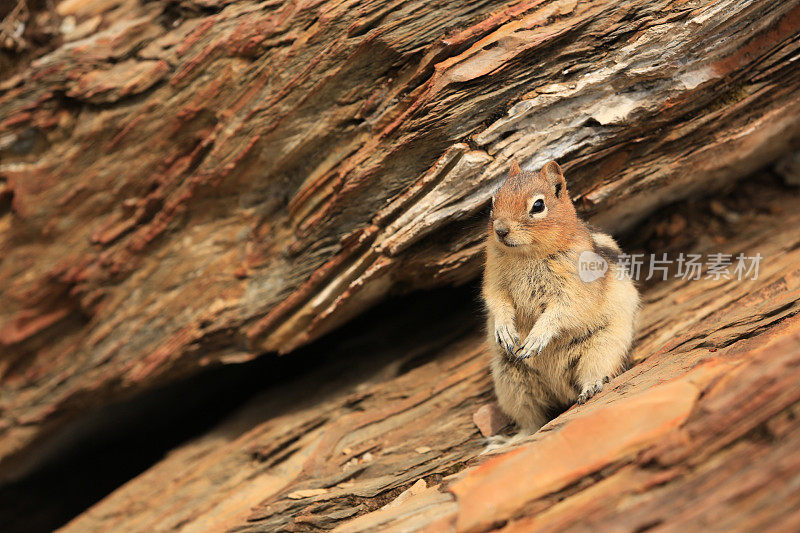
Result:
[{"x": 197, "y": 183}]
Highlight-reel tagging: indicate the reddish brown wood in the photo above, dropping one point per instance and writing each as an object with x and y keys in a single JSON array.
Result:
[{"x": 185, "y": 184}]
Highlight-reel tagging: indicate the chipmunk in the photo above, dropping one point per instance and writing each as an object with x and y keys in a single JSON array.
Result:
[{"x": 555, "y": 339}]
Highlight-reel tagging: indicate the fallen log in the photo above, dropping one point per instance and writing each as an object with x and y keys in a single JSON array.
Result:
[{"x": 198, "y": 183}]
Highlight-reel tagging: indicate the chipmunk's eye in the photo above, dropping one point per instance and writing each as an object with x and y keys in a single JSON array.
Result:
[{"x": 537, "y": 207}]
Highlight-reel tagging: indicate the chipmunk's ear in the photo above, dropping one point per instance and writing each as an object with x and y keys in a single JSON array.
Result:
[
  {"x": 514, "y": 170},
  {"x": 552, "y": 173}
]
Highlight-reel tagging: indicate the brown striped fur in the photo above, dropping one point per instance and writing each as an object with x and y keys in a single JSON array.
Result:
[{"x": 576, "y": 335}]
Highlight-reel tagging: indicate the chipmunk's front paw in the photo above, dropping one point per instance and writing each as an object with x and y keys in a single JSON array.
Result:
[
  {"x": 590, "y": 390},
  {"x": 507, "y": 337},
  {"x": 534, "y": 344}
]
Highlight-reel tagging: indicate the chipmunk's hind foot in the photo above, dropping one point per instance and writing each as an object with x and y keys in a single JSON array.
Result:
[
  {"x": 590, "y": 390},
  {"x": 497, "y": 443}
]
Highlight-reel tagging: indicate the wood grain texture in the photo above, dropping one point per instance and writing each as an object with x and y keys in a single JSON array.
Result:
[
  {"x": 700, "y": 434},
  {"x": 197, "y": 183}
]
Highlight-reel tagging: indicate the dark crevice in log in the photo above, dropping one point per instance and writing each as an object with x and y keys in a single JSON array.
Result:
[
  {"x": 107, "y": 447},
  {"x": 6, "y": 199}
]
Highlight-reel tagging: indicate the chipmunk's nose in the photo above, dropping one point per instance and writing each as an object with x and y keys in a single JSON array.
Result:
[{"x": 501, "y": 228}]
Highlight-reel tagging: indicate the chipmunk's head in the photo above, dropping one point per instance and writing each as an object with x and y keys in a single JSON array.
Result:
[{"x": 532, "y": 212}]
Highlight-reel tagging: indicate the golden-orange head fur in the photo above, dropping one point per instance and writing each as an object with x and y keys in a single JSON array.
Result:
[{"x": 532, "y": 212}]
